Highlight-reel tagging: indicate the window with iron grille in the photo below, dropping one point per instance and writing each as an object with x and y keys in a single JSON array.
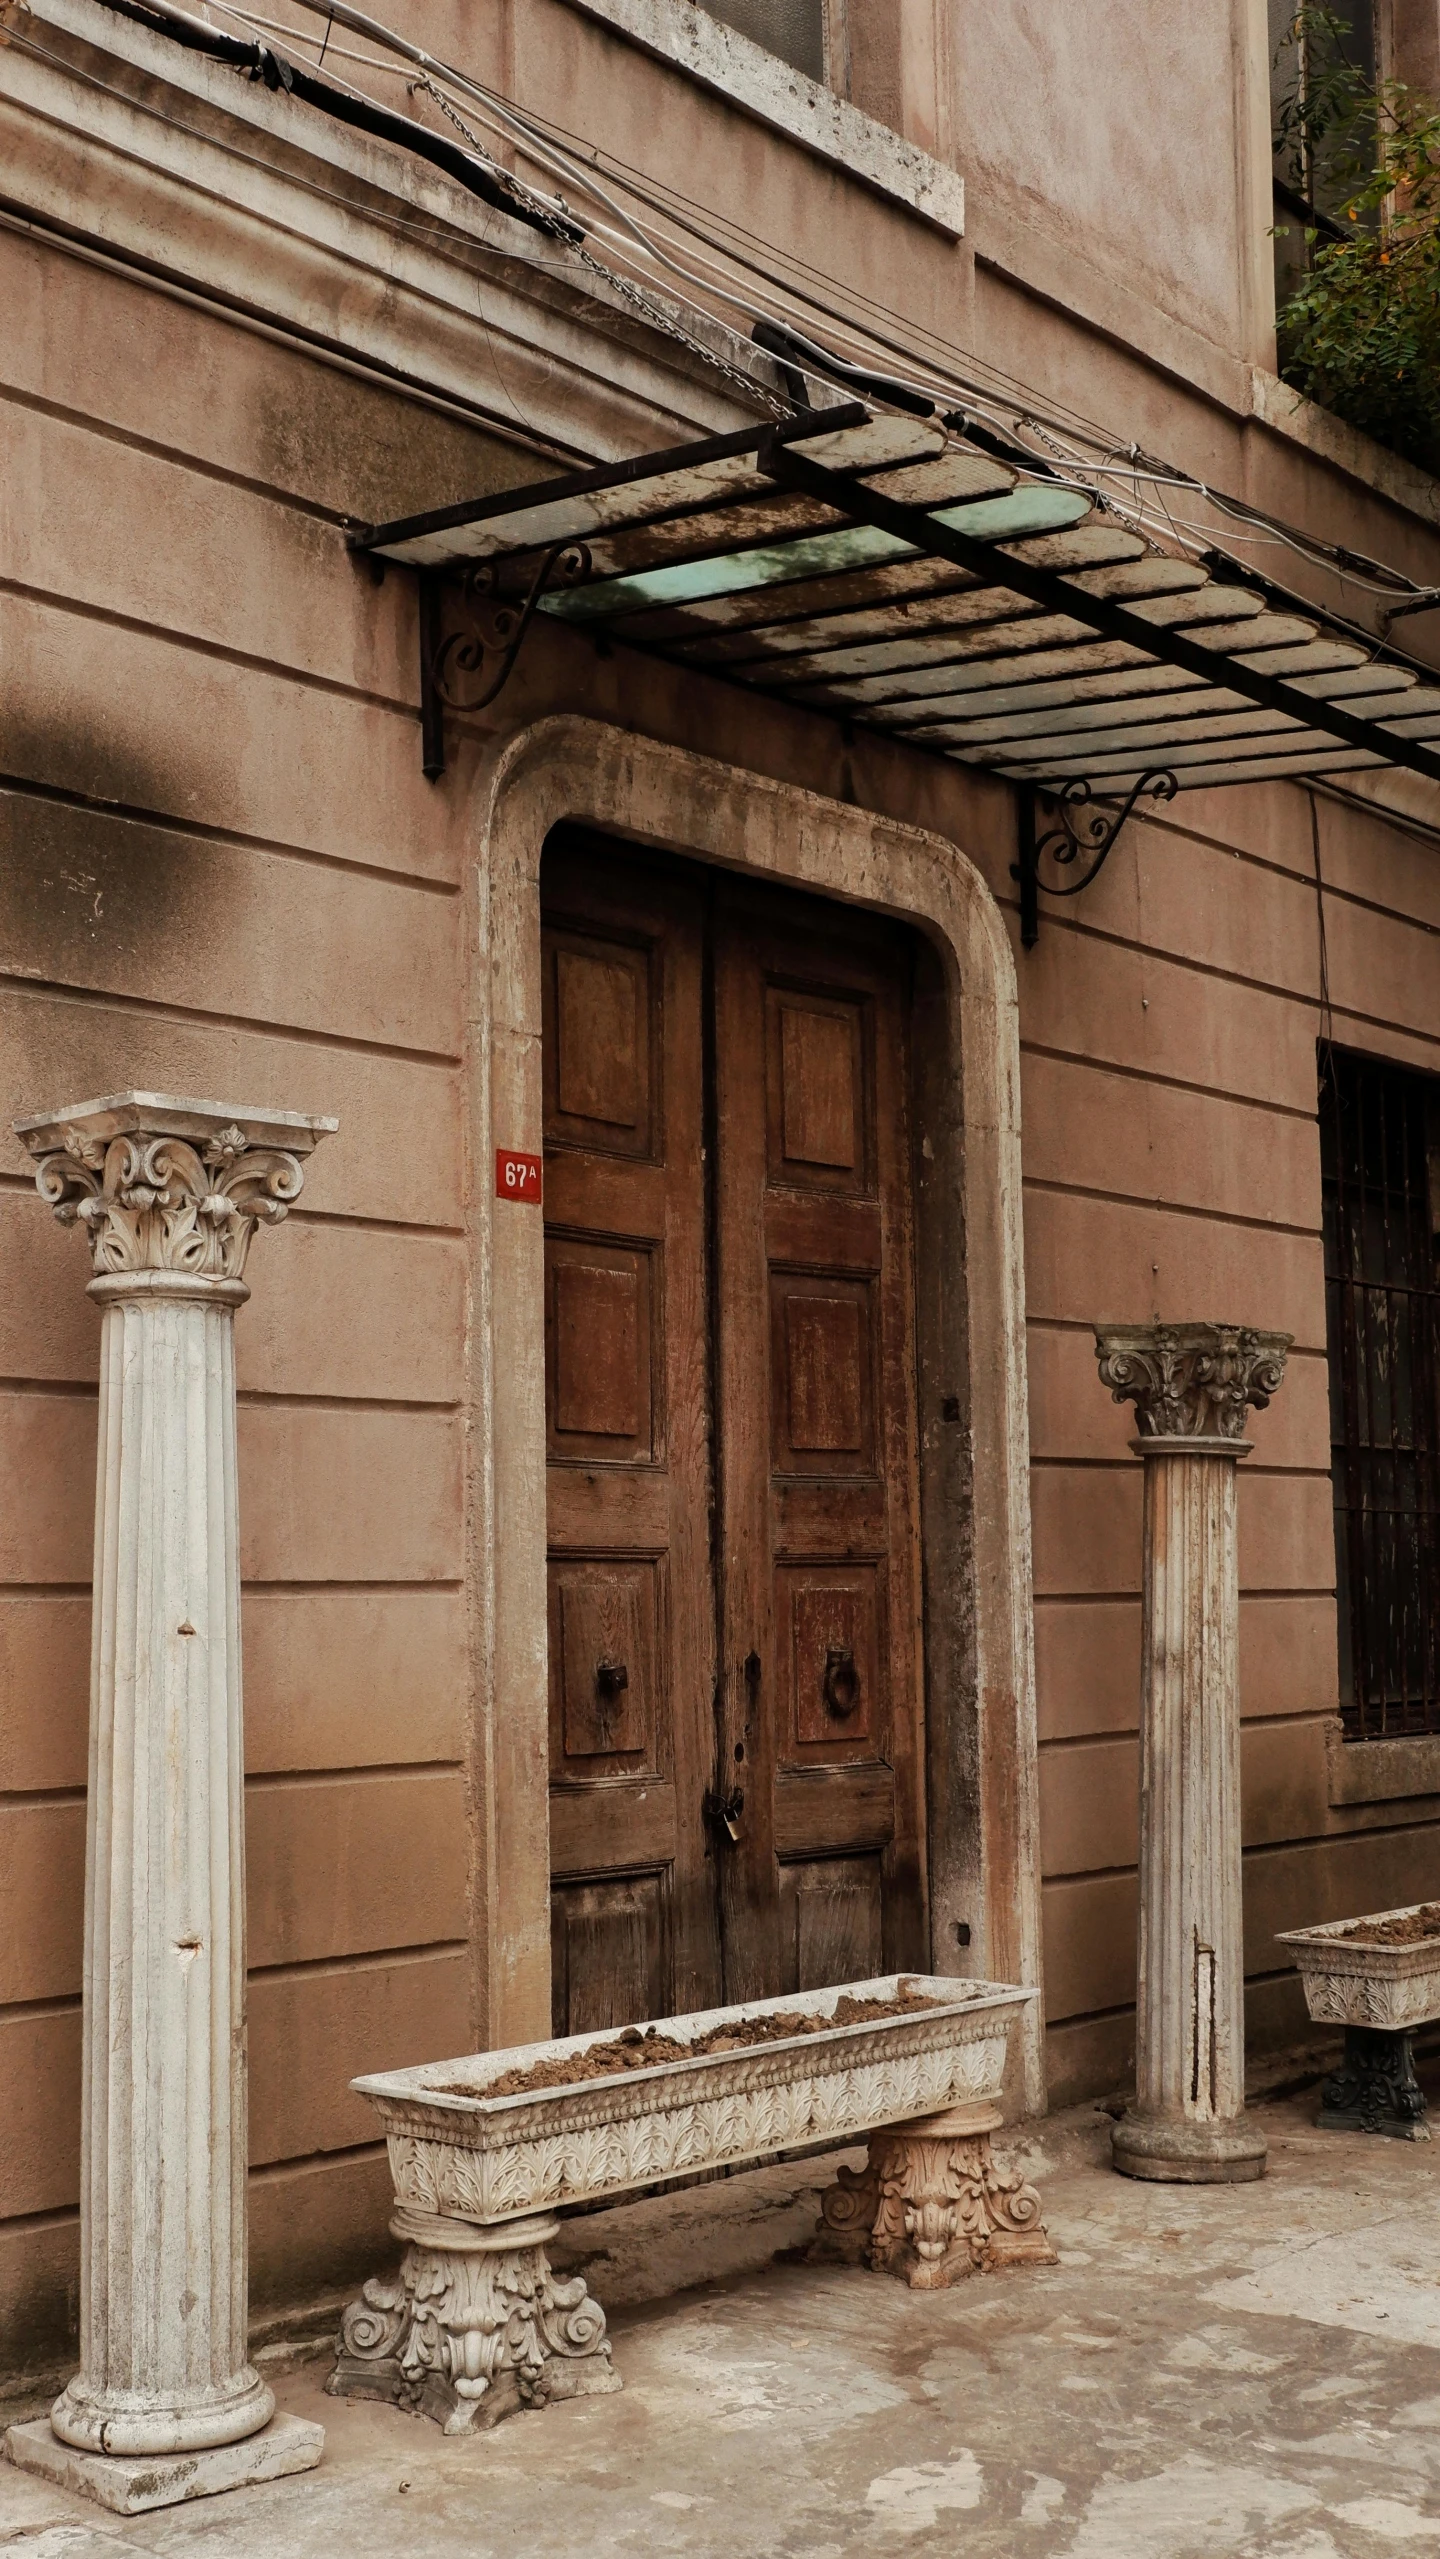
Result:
[
  {"x": 1380, "y": 1170},
  {"x": 800, "y": 32}
]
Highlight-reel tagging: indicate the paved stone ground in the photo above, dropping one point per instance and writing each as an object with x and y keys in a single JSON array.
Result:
[{"x": 1251, "y": 2371}]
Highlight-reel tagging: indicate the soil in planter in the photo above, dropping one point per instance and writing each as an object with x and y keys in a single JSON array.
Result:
[
  {"x": 1411, "y": 1928},
  {"x": 643, "y": 2047}
]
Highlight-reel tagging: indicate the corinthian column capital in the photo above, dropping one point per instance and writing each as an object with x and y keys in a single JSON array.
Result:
[
  {"x": 168, "y": 1185},
  {"x": 1191, "y": 1381}
]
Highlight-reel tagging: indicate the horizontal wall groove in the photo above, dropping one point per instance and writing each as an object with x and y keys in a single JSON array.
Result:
[
  {"x": 1301, "y": 877},
  {"x": 275, "y": 1781},
  {"x": 1086, "y": 1324},
  {"x": 1056, "y": 1745},
  {"x": 194, "y": 646},
  {"x": 21, "y": 2012},
  {"x": 1396, "y": 1829},
  {"x": 1265, "y": 1723},
  {"x": 114, "y": 258},
  {"x": 36, "y": 1798},
  {"x": 1167, "y": 1083},
  {"x": 76, "y": 1389},
  {"x": 22, "y": 786},
  {"x": 1383, "y": 1022},
  {"x": 157, "y": 1008},
  {"x": 337, "y": 1967},
  {"x": 87, "y": 423},
  {"x": 1131, "y": 1594},
  {"x": 22, "y": 1185},
  {"x": 1126, "y": 1465},
  {"x": 315, "y": 2162},
  {"x": 265, "y": 1400},
  {"x": 1091, "y": 1875},
  {"x": 1375, "y": 906},
  {"x": 1092, "y": 2016},
  {"x": 1209, "y": 1216},
  {"x": 300, "y": 1589},
  {"x": 18, "y": 2225},
  {"x": 44, "y": 1590},
  {"x": 1136, "y": 946},
  {"x": 422, "y": 1229}
]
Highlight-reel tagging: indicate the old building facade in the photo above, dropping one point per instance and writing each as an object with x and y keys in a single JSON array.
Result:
[{"x": 764, "y": 1458}]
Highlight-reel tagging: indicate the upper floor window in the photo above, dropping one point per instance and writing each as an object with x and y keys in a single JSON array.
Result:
[
  {"x": 1323, "y": 70},
  {"x": 804, "y": 33},
  {"x": 1380, "y": 1176},
  {"x": 1356, "y": 101}
]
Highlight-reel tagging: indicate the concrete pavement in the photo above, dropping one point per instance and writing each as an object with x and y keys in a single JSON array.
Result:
[{"x": 1250, "y": 2370}]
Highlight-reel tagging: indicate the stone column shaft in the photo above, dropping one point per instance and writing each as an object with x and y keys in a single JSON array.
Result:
[
  {"x": 1190, "y": 2049},
  {"x": 163, "y": 2245},
  {"x": 170, "y": 1193},
  {"x": 1191, "y": 1385}
]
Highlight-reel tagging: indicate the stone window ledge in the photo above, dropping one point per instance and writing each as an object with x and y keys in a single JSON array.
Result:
[
  {"x": 1289, "y": 413},
  {"x": 746, "y": 76},
  {"x": 1382, "y": 1772}
]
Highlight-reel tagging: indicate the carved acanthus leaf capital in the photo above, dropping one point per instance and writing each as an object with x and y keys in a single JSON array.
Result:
[
  {"x": 1191, "y": 1381},
  {"x": 165, "y": 1185}
]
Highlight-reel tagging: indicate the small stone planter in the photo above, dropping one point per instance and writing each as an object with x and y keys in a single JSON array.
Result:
[
  {"x": 1379, "y": 1993},
  {"x": 477, "y": 2324}
]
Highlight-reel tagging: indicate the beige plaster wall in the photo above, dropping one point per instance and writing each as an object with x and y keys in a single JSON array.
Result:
[{"x": 224, "y": 873}]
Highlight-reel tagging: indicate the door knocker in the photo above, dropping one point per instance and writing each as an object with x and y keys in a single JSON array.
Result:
[{"x": 841, "y": 1686}]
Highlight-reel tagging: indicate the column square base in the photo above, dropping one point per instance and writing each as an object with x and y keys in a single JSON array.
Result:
[{"x": 134, "y": 2483}]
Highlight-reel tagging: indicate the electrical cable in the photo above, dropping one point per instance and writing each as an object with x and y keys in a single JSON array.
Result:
[
  {"x": 1073, "y": 450},
  {"x": 483, "y": 178}
]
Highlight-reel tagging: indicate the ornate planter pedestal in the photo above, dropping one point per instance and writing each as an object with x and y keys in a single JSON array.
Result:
[
  {"x": 1375, "y": 2089},
  {"x": 476, "y": 2323},
  {"x": 165, "y": 2405},
  {"x": 931, "y": 2206},
  {"x": 1379, "y": 1993},
  {"x": 1191, "y": 1385}
]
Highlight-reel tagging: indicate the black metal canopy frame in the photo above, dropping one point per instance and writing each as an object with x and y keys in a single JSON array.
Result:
[{"x": 889, "y": 572}]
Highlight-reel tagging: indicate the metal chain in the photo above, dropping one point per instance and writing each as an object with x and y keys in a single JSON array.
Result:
[{"x": 655, "y": 313}]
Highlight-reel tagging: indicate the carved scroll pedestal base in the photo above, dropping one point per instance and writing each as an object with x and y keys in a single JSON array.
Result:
[
  {"x": 931, "y": 2205},
  {"x": 474, "y": 2326},
  {"x": 1375, "y": 2089}
]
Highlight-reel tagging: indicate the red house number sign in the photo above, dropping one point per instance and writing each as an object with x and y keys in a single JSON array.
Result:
[{"x": 517, "y": 1177}]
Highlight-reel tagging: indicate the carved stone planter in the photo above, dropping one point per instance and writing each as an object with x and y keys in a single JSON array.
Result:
[
  {"x": 476, "y": 2323},
  {"x": 1379, "y": 1993}
]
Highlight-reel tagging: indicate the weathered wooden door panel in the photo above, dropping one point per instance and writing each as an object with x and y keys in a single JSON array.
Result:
[
  {"x": 820, "y": 1663},
  {"x": 631, "y": 1629},
  {"x": 729, "y": 1318}
]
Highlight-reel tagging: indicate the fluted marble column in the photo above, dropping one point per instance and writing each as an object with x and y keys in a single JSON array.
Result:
[
  {"x": 169, "y": 1194},
  {"x": 1191, "y": 1385}
]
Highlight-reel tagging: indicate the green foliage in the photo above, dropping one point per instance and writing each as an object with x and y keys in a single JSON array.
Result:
[{"x": 1361, "y": 331}]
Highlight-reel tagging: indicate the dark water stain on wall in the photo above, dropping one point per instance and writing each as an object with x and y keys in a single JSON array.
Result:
[{"x": 97, "y": 868}]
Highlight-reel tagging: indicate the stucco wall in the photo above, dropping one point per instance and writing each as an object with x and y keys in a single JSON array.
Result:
[{"x": 226, "y": 875}]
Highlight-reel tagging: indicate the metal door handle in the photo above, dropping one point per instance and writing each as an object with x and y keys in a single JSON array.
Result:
[
  {"x": 841, "y": 1685},
  {"x": 611, "y": 1679}
]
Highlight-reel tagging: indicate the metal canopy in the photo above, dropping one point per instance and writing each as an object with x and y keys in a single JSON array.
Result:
[{"x": 884, "y": 571}]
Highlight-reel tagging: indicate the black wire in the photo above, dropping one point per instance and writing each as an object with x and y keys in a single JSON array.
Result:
[{"x": 492, "y": 184}]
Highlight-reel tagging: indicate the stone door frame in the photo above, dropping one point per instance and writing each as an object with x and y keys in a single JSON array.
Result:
[{"x": 975, "y": 1524}]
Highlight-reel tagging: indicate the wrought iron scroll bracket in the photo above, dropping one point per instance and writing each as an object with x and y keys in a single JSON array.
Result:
[
  {"x": 1071, "y": 839},
  {"x": 486, "y": 642}
]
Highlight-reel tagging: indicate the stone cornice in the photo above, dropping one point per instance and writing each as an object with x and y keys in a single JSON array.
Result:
[
  {"x": 127, "y": 144},
  {"x": 1191, "y": 1382}
]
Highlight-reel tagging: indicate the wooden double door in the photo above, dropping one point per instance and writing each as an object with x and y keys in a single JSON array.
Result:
[{"x": 736, "y": 1761}]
